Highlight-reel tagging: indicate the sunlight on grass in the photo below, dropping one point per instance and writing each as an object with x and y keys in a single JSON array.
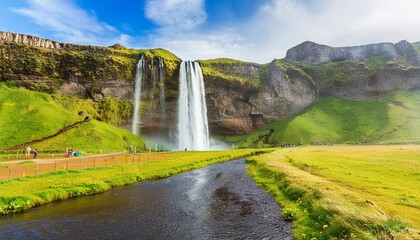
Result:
[
  {"x": 360, "y": 190},
  {"x": 23, "y": 193}
]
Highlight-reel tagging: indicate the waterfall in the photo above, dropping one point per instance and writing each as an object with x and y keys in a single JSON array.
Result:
[
  {"x": 162, "y": 73},
  {"x": 193, "y": 132},
  {"x": 137, "y": 96}
]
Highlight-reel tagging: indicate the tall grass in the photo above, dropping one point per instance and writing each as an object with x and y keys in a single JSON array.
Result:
[{"x": 344, "y": 192}]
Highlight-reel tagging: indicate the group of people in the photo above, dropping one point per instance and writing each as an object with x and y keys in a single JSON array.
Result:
[
  {"x": 28, "y": 152},
  {"x": 69, "y": 152}
]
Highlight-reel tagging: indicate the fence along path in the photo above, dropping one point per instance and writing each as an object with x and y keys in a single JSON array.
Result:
[{"x": 31, "y": 167}]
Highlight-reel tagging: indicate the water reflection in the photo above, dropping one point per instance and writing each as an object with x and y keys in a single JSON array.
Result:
[{"x": 217, "y": 202}]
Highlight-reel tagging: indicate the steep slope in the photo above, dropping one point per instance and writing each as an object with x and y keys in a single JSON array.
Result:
[
  {"x": 392, "y": 119},
  {"x": 26, "y": 115}
]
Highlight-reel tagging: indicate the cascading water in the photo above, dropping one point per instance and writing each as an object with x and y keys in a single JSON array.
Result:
[
  {"x": 193, "y": 132},
  {"x": 137, "y": 96},
  {"x": 162, "y": 73}
]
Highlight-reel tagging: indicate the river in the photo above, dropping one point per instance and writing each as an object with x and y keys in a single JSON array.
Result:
[{"x": 217, "y": 202}]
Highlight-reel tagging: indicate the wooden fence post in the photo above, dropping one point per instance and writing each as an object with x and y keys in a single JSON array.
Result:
[
  {"x": 10, "y": 173},
  {"x": 55, "y": 166}
]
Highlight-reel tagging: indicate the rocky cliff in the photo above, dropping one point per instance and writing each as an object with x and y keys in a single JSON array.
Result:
[
  {"x": 315, "y": 54},
  {"x": 241, "y": 96}
]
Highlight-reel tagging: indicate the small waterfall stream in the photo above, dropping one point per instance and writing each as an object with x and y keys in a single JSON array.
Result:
[
  {"x": 193, "y": 132},
  {"x": 162, "y": 79},
  {"x": 150, "y": 73}
]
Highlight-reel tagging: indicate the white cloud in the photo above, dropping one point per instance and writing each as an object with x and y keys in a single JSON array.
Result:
[
  {"x": 279, "y": 25},
  {"x": 180, "y": 14},
  {"x": 71, "y": 23},
  {"x": 282, "y": 24}
]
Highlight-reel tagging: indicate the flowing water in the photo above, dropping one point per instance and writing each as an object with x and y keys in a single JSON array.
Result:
[
  {"x": 162, "y": 98},
  {"x": 216, "y": 202},
  {"x": 193, "y": 131},
  {"x": 137, "y": 96}
]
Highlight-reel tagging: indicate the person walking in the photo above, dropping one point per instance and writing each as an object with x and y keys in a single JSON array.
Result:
[
  {"x": 35, "y": 153},
  {"x": 27, "y": 151}
]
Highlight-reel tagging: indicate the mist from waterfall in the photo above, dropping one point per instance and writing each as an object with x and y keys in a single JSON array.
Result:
[
  {"x": 137, "y": 96},
  {"x": 193, "y": 132}
]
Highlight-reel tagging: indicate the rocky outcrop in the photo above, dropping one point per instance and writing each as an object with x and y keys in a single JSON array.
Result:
[
  {"x": 237, "y": 109},
  {"x": 315, "y": 54},
  {"x": 35, "y": 41}
]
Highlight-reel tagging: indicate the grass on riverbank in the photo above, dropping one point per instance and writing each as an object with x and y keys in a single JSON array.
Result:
[
  {"x": 343, "y": 192},
  {"x": 24, "y": 193}
]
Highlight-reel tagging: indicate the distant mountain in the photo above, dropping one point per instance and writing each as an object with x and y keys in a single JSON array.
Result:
[{"x": 315, "y": 54}]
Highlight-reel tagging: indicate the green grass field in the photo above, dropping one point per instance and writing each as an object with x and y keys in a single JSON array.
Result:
[
  {"x": 363, "y": 192},
  {"x": 23, "y": 193},
  {"x": 394, "y": 119},
  {"x": 27, "y": 115}
]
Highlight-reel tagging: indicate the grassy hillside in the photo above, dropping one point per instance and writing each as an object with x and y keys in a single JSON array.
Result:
[
  {"x": 392, "y": 119},
  {"x": 26, "y": 115}
]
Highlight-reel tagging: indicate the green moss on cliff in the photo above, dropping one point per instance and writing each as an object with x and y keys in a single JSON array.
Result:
[
  {"x": 291, "y": 70},
  {"x": 86, "y": 64},
  {"x": 234, "y": 71}
]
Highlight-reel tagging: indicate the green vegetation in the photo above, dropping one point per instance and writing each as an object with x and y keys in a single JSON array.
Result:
[
  {"x": 416, "y": 45},
  {"x": 232, "y": 71},
  {"x": 292, "y": 70},
  {"x": 85, "y": 63},
  {"x": 388, "y": 120},
  {"x": 23, "y": 116},
  {"x": 27, "y": 115},
  {"x": 365, "y": 192},
  {"x": 20, "y": 194}
]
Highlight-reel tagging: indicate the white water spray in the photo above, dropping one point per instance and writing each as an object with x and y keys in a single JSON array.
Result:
[
  {"x": 137, "y": 96},
  {"x": 193, "y": 132}
]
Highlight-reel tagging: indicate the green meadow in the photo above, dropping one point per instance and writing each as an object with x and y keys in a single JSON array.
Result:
[
  {"x": 343, "y": 192},
  {"x": 393, "y": 119}
]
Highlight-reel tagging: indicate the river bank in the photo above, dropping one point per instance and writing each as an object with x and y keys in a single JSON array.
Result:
[
  {"x": 215, "y": 202},
  {"x": 23, "y": 193}
]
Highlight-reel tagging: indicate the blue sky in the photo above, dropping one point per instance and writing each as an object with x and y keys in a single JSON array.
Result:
[{"x": 250, "y": 30}]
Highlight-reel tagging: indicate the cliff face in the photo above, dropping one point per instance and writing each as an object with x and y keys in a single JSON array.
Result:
[
  {"x": 315, "y": 54},
  {"x": 35, "y": 41},
  {"x": 241, "y": 96}
]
